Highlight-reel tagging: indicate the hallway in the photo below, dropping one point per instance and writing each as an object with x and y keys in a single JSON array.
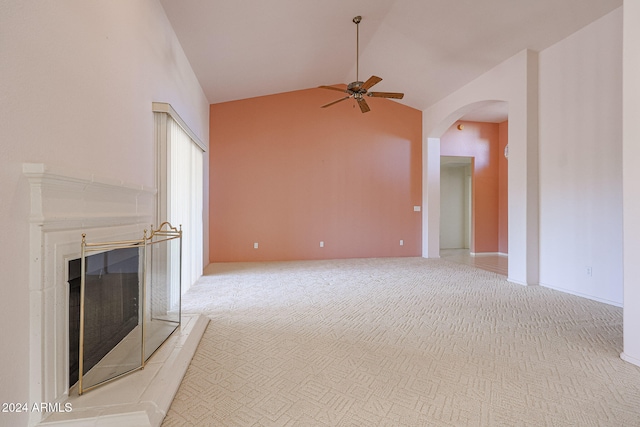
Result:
[{"x": 490, "y": 262}]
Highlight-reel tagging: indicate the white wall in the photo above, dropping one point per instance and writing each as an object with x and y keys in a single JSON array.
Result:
[
  {"x": 580, "y": 144},
  {"x": 514, "y": 81},
  {"x": 631, "y": 179},
  {"x": 565, "y": 110},
  {"x": 78, "y": 80}
]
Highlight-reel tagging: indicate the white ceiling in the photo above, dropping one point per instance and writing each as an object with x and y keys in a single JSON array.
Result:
[{"x": 424, "y": 48}]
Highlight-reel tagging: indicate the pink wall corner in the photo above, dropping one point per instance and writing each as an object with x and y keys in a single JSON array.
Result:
[
  {"x": 287, "y": 174},
  {"x": 480, "y": 141},
  {"x": 503, "y": 179}
]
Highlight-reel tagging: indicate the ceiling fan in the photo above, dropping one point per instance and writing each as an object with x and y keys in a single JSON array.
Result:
[{"x": 358, "y": 90}]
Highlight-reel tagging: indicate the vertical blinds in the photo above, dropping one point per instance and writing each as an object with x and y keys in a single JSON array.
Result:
[{"x": 184, "y": 199}]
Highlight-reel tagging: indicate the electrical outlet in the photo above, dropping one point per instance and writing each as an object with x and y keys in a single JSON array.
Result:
[
  {"x": 401, "y": 242},
  {"x": 417, "y": 208},
  {"x": 322, "y": 244},
  {"x": 589, "y": 271},
  {"x": 255, "y": 245}
]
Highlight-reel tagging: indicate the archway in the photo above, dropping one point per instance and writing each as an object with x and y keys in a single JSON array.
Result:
[
  {"x": 474, "y": 189},
  {"x": 515, "y": 81},
  {"x": 480, "y": 141}
]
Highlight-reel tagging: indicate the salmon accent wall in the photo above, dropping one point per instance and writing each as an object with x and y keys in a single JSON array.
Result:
[
  {"x": 484, "y": 142},
  {"x": 287, "y": 174},
  {"x": 503, "y": 179}
]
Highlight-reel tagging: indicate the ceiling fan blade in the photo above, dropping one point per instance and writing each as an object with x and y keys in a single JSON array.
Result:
[
  {"x": 394, "y": 95},
  {"x": 364, "y": 107},
  {"x": 372, "y": 81},
  {"x": 332, "y": 88},
  {"x": 335, "y": 102}
]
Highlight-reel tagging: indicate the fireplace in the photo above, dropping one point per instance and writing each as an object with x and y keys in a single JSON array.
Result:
[{"x": 64, "y": 205}]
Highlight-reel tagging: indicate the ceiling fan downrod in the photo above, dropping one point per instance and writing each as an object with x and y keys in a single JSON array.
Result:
[
  {"x": 357, "y": 90},
  {"x": 356, "y": 21}
]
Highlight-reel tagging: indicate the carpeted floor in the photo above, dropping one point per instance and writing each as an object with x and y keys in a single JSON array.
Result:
[{"x": 399, "y": 342}]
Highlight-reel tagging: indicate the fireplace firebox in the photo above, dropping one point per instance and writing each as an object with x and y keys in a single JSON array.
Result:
[{"x": 112, "y": 293}]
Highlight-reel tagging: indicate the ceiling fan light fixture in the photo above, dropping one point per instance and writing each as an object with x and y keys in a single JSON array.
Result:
[{"x": 358, "y": 89}]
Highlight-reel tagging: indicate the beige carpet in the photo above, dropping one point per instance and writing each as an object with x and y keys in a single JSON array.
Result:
[{"x": 400, "y": 342}]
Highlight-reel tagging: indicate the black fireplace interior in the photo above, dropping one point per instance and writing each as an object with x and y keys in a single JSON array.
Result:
[{"x": 112, "y": 295}]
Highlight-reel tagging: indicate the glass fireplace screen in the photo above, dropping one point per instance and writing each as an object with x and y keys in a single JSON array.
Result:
[{"x": 129, "y": 304}]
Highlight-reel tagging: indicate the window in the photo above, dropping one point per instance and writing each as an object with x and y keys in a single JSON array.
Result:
[{"x": 180, "y": 187}]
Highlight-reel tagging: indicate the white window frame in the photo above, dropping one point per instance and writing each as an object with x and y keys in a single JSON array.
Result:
[{"x": 192, "y": 263}]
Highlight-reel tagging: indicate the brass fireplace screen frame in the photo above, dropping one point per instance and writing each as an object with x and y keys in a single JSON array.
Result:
[{"x": 160, "y": 266}]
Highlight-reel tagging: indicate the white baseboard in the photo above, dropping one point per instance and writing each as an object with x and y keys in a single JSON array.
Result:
[
  {"x": 488, "y": 254},
  {"x": 579, "y": 294},
  {"x": 627, "y": 358},
  {"x": 517, "y": 282}
]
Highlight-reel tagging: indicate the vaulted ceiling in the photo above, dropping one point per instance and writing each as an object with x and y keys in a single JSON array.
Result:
[{"x": 424, "y": 48}]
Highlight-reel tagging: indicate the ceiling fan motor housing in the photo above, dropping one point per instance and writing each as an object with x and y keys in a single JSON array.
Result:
[
  {"x": 357, "y": 90},
  {"x": 356, "y": 87}
]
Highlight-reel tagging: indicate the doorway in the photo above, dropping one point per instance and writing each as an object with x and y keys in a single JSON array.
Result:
[{"x": 456, "y": 202}]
